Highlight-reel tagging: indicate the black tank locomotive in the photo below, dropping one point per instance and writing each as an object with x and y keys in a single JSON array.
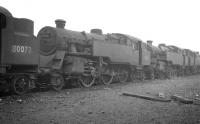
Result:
[{"x": 19, "y": 52}]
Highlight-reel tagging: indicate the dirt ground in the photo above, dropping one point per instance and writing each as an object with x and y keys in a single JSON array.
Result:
[{"x": 105, "y": 105}]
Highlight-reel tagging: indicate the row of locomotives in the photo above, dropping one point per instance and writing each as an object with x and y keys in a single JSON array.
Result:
[
  {"x": 90, "y": 58},
  {"x": 171, "y": 61},
  {"x": 176, "y": 60},
  {"x": 191, "y": 62},
  {"x": 197, "y": 63},
  {"x": 18, "y": 53},
  {"x": 167, "y": 61},
  {"x": 59, "y": 56},
  {"x": 159, "y": 64},
  {"x": 156, "y": 70}
]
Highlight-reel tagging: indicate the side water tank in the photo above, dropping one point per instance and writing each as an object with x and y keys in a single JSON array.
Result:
[{"x": 27, "y": 25}]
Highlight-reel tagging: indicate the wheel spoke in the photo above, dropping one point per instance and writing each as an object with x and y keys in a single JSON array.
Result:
[
  {"x": 133, "y": 77},
  {"x": 107, "y": 75},
  {"x": 87, "y": 81},
  {"x": 107, "y": 78},
  {"x": 142, "y": 76},
  {"x": 57, "y": 82},
  {"x": 20, "y": 84},
  {"x": 122, "y": 75}
]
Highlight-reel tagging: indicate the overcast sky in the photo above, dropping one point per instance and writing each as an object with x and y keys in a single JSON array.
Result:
[{"x": 174, "y": 22}]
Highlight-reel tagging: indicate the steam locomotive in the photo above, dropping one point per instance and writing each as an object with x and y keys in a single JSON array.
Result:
[
  {"x": 58, "y": 56},
  {"x": 19, "y": 52}
]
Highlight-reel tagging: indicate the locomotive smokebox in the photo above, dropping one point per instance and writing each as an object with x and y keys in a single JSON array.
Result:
[
  {"x": 96, "y": 31},
  {"x": 60, "y": 23}
]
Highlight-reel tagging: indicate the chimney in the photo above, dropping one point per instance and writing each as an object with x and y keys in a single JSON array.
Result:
[
  {"x": 96, "y": 31},
  {"x": 60, "y": 23},
  {"x": 149, "y": 42}
]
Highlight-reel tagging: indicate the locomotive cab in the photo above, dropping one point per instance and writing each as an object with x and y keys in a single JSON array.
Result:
[
  {"x": 5, "y": 17},
  {"x": 18, "y": 52}
]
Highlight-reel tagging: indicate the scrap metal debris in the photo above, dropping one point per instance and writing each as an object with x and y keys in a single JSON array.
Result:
[
  {"x": 106, "y": 88},
  {"x": 161, "y": 95},
  {"x": 181, "y": 99},
  {"x": 19, "y": 101}
]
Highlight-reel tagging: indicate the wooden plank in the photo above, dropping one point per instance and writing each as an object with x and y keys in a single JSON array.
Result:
[
  {"x": 181, "y": 99},
  {"x": 147, "y": 97}
]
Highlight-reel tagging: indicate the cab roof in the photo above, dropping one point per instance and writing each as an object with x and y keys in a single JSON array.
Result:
[{"x": 5, "y": 11}]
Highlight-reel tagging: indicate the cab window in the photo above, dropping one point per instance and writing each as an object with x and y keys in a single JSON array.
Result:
[{"x": 2, "y": 21}]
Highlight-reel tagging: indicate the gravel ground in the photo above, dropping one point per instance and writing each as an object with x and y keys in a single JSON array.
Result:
[{"x": 105, "y": 105}]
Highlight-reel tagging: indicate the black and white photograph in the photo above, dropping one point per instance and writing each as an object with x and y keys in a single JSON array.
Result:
[{"x": 99, "y": 62}]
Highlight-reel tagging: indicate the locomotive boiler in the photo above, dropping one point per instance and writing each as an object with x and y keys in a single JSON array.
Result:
[{"x": 19, "y": 52}]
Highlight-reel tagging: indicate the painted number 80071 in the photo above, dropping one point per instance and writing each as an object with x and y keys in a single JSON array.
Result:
[{"x": 21, "y": 49}]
